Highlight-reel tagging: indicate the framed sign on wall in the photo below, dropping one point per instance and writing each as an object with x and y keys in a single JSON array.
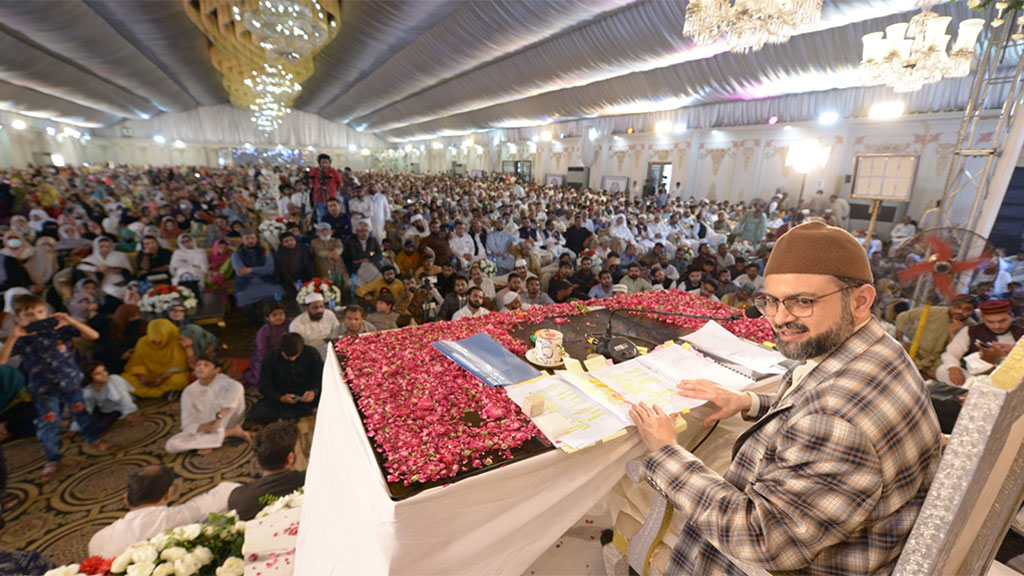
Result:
[{"x": 886, "y": 177}]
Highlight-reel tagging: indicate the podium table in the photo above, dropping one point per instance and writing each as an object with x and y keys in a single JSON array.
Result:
[{"x": 493, "y": 523}]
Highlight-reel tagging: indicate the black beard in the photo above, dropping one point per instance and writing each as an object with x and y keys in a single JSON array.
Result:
[
  {"x": 822, "y": 344},
  {"x": 316, "y": 317}
]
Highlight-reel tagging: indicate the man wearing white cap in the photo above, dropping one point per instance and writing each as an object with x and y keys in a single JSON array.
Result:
[
  {"x": 418, "y": 230},
  {"x": 315, "y": 325}
]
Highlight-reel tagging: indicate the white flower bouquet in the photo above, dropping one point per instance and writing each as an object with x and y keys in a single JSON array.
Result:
[
  {"x": 488, "y": 268},
  {"x": 325, "y": 287},
  {"x": 214, "y": 547},
  {"x": 274, "y": 505},
  {"x": 159, "y": 298},
  {"x": 270, "y": 229}
]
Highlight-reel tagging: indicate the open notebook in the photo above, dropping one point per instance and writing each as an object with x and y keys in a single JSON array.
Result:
[{"x": 596, "y": 405}]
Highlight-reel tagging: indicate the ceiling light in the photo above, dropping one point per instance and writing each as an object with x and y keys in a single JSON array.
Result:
[
  {"x": 51, "y": 131},
  {"x": 663, "y": 127},
  {"x": 909, "y": 55},
  {"x": 886, "y": 110},
  {"x": 546, "y": 135},
  {"x": 773, "y": 120},
  {"x": 365, "y": 151},
  {"x": 291, "y": 29},
  {"x": 179, "y": 144},
  {"x": 57, "y": 160},
  {"x": 18, "y": 124},
  {"x": 828, "y": 118},
  {"x": 748, "y": 24},
  {"x": 159, "y": 139},
  {"x": 353, "y": 148},
  {"x": 535, "y": 139},
  {"x": 806, "y": 155},
  {"x": 408, "y": 147},
  {"x": 593, "y": 134},
  {"x": 436, "y": 145},
  {"x": 310, "y": 148}
]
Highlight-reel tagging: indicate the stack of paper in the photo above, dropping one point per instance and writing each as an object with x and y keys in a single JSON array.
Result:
[{"x": 717, "y": 341}]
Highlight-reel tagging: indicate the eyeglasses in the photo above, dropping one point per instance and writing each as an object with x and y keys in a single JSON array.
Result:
[{"x": 798, "y": 306}]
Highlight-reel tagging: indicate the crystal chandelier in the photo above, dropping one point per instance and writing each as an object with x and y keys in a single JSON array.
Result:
[
  {"x": 291, "y": 29},
  {"x": 749, "y": 24},
  {"x": 274, "y": 88},
  {"x": 909, "y": 55}
]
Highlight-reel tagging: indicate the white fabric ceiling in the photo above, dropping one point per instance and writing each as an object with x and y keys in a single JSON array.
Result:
[{"x": 406, "y": 69}]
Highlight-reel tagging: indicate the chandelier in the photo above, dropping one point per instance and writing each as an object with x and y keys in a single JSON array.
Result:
[
  {"x": 275, "y": 88},
  {"x": 909, "y": 55},
  {"x": 290, "y": 29},
  {"x": 749, "y": 24}
]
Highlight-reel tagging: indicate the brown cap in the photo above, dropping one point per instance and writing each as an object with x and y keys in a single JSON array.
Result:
[
  {"x": 817, "y": 248},
  {"x": 994, "y": 307},
  {"x": 964, "y": 298}
]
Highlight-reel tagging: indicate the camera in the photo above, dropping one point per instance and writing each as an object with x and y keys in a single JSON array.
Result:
[{"x": 42, "y": 325}]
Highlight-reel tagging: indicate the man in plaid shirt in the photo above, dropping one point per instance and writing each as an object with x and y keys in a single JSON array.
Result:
[{"x": 831, "y": 477}]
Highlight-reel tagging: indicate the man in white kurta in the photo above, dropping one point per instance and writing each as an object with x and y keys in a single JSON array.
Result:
[
  {"x": 380, "y": 212},
  {"x": 212, "y": 409},
  {"x": 461, "y": 245},
  {"x": 316, "y": 324},
  {"x": 147, "y": 518},
  {"x": 360, "y": 208}
]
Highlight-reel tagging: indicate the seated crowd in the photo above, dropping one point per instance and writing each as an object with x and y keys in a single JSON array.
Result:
[{"x": 84, "y": 246}]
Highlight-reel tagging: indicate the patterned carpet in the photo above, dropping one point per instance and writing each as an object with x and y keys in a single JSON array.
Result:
[{"x": 58, "y": 518}]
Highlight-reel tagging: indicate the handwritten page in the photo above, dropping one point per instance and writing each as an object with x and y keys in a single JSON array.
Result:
[
  {"x": 675, "y": 363},
  {"x": 589, "y": 422},
  {"x": 637, "y": 381},
  {"x": 713, "y": 339}
]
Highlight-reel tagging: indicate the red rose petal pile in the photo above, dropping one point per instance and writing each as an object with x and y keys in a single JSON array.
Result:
[{"x": 415, "y": 401}]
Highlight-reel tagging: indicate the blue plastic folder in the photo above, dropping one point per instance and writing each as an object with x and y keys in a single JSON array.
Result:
[{"x": 489, "y": 361}]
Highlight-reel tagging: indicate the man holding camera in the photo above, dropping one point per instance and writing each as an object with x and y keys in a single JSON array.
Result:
[{"x": 324, "y": 183}]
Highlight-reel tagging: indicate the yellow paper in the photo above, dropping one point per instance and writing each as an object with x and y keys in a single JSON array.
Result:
[
  {"x": 595, "y": 363},
  {"x": 573, "y": 365}
]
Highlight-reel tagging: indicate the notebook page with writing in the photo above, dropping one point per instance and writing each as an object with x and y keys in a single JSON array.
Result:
[
  {"x": 712, "y": 338},
  {"x": 642, "y": 381},
  {"x": 675, "y": 363}
]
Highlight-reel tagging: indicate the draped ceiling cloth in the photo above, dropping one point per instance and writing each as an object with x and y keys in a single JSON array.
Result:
[{"x": 408, "y": 69}]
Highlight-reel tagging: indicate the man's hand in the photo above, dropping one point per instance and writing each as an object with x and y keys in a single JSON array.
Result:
[
  {"x": 308, "y": 396},
  {"x": 288, "y": 399},
  {"x": 245, "y": 271},
  {"x": 656, "y": 428},
  {"x": 728, "y": 402},
  {"x": 954, "y": 327},
  {"x": 956, "y": 376}
]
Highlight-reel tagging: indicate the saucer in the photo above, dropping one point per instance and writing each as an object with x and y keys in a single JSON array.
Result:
[{"x": 531, "y": 355}]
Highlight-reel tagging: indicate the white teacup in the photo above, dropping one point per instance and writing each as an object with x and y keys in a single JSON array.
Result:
[{"x": 548, "y": 346}]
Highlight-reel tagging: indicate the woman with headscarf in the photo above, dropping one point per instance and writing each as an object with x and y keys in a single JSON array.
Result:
[
  {"x": 15, "y": 253},
  {"x": 43, "y": 264},
  {"x": 159, "y": 364},
  {"x": 118, "y": 337},
  {"x": 189, "y": 264},
  {"x": 153, "y": 261},
  {"x": 220, "y": 269},
  {"x": 37, "y": 217},
  {"x": 169, "y": 230},
  {"x": 71, "y": 241},
  {"x": 108, "y": 267},
  {"x": 20, "y": 225}
]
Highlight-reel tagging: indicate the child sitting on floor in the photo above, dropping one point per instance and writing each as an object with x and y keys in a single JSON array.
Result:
[
  {"x": 108, "y": 397},
  {"x": 212, "y": 408},
  {"x": 54, "y": 379}
]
